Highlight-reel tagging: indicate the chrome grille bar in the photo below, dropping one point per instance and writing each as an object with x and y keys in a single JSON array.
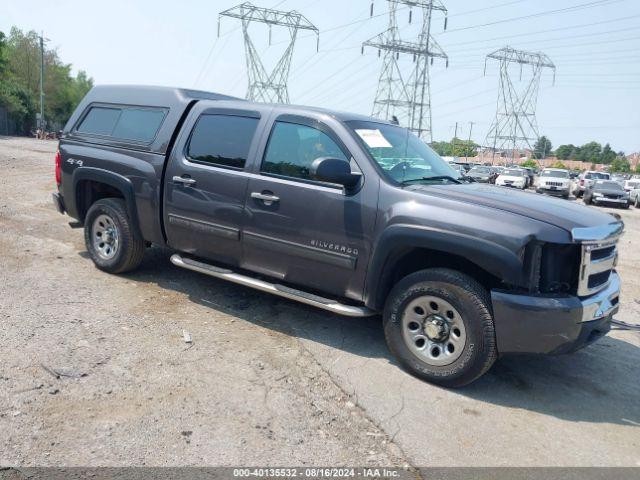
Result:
[{"x": 595, "y": 268}]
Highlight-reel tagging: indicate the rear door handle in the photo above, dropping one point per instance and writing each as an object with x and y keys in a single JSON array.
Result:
[
  {"x": 266, "y": 198},
  {"x": 187, "y": 181}
]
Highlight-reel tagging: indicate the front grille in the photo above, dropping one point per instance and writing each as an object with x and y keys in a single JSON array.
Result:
[
  {"x": 554, "y": 184},
  {"x": 598, "y": 261},
  {"x": 613, "y": 196}
]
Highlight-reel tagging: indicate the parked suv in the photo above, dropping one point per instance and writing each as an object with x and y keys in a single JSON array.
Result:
[
  {"x": 554, "y": 181},
  {"x": 343, "y": 212}
]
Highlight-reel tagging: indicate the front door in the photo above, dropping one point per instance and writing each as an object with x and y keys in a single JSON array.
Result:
[
  {"x": 206, "y": 184},
  {"x": 299, "y": 230}
]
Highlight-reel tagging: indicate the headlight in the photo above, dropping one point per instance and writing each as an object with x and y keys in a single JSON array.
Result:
[{"x": 595, "y": 194}]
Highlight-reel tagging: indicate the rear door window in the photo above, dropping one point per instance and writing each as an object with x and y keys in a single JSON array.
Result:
[{"x": 222, "y": 140}]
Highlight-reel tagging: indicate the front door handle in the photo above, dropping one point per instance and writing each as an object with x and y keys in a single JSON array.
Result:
[
  {"x": 268, "y": 199},
  {"x": 186, "y": 181}
]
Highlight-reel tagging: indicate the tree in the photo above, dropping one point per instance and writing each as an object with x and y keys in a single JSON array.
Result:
[
  {"x": 542, "y": 148},
  {"x": 13, "y": 96},
  {"x": 456, "y": 148},
  {"x": 565, "y": 152},
  {"x": 608, "y": 155},
  {"x": 20, "y": 81},
  {"x": 590, "y": 152},
  {"x": 529, "y": 164},
  {"x": 559, "y": 165},
  {"x": 638, "y": 168},
  {"x": 620, "y": 165}
]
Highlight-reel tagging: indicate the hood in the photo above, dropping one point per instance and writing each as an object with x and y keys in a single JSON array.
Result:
[
  {"x": 511, "y": 177},
  {"x": 561, "y": 213},
  {"x": 609, "y": 191},
  {"x": 555, "y": 179}
]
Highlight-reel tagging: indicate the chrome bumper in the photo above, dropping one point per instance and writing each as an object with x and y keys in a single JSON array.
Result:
[{"x": 604, "y": 303}]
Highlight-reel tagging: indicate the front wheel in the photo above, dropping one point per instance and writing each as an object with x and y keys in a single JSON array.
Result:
[
  {"x": 439, "y": 325},
  {"x": 114, "y": 243},
  {"x": 638, "y": 201}
]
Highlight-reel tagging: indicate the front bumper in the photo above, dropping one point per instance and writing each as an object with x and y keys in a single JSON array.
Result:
[
  {"x": 554, "y": 191},
  {"x": 612, "y": 201},
  {"x": 553, "y": 325}
]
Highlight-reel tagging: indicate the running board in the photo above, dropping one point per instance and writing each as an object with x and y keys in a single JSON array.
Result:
[{"x": 280, "y": 290}]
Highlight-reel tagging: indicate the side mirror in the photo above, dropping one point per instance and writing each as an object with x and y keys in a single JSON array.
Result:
[{"x": 334, "y": 170}]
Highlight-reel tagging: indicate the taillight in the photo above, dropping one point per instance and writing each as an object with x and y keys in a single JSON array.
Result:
[{"x": 58, "y": 168}]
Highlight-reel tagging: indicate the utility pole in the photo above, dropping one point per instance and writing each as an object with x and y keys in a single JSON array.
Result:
[
  {"x": 469, "y": 144},
  {"x": 514, "y": 125},
  {"x": 42, "y": 123},
  {"x": 264, "y": 86},
  {"x": 453, "y": 142},
  {"x": 407, "y": 96}
]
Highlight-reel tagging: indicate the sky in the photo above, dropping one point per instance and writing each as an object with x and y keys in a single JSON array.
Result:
[{"x": 595, "y": 45}]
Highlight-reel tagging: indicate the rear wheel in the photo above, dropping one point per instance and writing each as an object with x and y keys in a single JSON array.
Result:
[
  {"x": 114, "y": 243},
  {"x": 637, "y": 201},
  {"x": 438, "y": 323}
]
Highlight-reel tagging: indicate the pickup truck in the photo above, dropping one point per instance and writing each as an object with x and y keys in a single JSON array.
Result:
[{"x": 343, "y": 212}]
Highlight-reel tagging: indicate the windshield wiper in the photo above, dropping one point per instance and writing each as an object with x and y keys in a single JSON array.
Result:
[{"x": 438, "y": 178}]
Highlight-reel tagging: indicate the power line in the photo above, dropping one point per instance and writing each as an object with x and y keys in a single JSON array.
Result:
[
  {"x": 540, "y": 14},
  {"x": 538, "y": 32}
]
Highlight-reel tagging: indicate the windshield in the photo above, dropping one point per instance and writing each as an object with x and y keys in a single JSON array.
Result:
[
  {"x": 555, "y": 174},
  {"x": 513, "y": 172},
  {"x": 604, "y": 176},
  {"x": 481, "y": 171},
  {"x": 608, "y": 185},
  {"x": 402, "y": 156}
]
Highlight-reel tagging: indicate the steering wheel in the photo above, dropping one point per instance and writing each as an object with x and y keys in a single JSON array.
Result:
[{"x": 400, "y": 166}]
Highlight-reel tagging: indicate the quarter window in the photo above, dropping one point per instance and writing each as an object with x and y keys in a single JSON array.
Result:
[
  {"x": 222, "y": 140},
  {"x": 133, "y": 124},
  {"x": 293, "y": 148}
]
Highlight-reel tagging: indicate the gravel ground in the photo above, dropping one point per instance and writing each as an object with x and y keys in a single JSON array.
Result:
[{"x": 94, "y": 370}]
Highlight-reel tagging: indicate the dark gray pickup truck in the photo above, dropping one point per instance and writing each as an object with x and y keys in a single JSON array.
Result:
[{"x": 343, "y": 212}]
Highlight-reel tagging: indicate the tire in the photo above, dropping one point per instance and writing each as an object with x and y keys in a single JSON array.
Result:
[
  {"x": 578, "y": 193},
  {"x": 124, "y": 250},
  {"x": 565, "y": 196},
  {"x": 638, "y": 201},
  {"x": 462, "y": 304},
  {"x": 586, "y": 201}
]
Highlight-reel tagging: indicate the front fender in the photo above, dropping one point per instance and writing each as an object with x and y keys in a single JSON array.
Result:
[{"x": 396, "y": 240}]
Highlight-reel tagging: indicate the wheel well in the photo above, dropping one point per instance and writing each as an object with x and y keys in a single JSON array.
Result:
[
  {"x": 409, "y": 261},
  {"x": 90, "y": 191}
]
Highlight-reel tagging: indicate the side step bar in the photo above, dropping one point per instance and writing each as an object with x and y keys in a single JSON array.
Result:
[{"x": 281, "y": 290}]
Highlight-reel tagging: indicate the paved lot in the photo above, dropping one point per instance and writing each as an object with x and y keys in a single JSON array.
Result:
[{"x": 267, "y": 381}]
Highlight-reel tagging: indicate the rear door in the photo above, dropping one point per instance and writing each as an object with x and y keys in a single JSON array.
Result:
[
  {"x": 302, "y": 231},
  {"x": 206, "y": 183}
]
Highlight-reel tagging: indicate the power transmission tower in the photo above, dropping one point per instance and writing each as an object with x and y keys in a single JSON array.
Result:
[
  {"x": 407, "y": 96},
  {"x": 264, "y": 86},
  {"x": 515, "y": 125}
]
